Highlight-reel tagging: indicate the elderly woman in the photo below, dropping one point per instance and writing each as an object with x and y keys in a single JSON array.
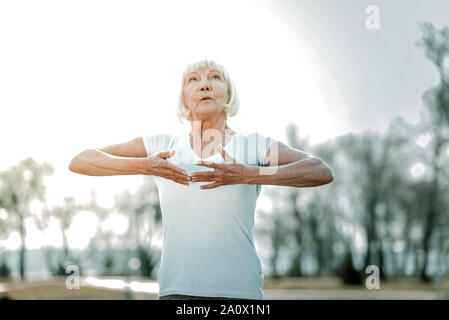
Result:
[{"x": 208, "y": 184}]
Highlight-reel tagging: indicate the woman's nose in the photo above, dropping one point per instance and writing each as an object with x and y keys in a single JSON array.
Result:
[{"x": 205, "y": 86}]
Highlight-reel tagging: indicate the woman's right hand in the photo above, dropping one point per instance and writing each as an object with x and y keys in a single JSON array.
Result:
[{"x": 159, "y": 166}]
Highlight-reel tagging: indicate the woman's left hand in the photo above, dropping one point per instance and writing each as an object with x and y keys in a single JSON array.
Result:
[{"x": 227, "y": 173}]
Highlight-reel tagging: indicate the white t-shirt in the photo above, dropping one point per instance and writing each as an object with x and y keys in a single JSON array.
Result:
[{"x": 208, "y": 245}]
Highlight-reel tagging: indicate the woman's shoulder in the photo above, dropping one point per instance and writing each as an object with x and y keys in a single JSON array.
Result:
[
  {"x": 253, "y": 136},
  {"x": 242, "y": 133},
  {"x": 257, "y": 135}
]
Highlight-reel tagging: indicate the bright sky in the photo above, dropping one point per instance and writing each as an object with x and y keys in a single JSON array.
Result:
[{"x": 86, "y": 74}]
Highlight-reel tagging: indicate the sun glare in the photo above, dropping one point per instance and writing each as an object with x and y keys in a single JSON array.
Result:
[
  {"x": 417, "y": 170},
  {"x": 120, "y": 78},
  {"x": 83, "y": 227}
]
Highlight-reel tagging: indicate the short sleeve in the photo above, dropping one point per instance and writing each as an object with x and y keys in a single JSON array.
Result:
[
  {"x": 157, "y": 142},
  {"x": 263, "y": 145}
]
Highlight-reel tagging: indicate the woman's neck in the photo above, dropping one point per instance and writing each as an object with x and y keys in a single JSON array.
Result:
[
  {"x": 213, "y": 127},
  {"x": 207, "y": 135}
]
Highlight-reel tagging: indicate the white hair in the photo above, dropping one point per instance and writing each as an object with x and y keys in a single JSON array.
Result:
[{"x": 231, "y": 108}]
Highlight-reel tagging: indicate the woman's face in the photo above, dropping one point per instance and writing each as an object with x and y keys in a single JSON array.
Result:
[{"x": 205, "y": 92}]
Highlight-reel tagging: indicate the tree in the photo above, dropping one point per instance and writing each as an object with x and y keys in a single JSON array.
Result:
[
  {"x": 64, "y": 215},
  {"x": 144, "y": 212},
  {"x": 20, "y": 185},
  {"x": 272, "y": 226},
  {"x": 436, "y": 100},
  {"x": 5, "y": 225},
  {"x": 103, "y": 238},
  {"x": 367, "y": 157},
  {"x": 348, "y": 273},
  {"x": 297, "y": 142}
]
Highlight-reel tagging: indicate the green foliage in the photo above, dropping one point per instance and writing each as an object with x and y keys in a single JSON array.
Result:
[
  {"x": 147, "y": 261},
  {"x": 108, "y": 264},
  {"x": 19, "y": 186},
  {"x": 5, "y": 271},
  {"x": 436, "y": 116},
  {"x": 348, "y": 272}
]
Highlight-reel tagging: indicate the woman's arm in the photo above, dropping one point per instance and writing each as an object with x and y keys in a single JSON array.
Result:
[
  {"x": 284, "y": 167},
  {"x": 118, "y": 159},
  {"x": 128, "y": 158},
  {"x": 290, "y": 167},
  {"x": 94, "y": 162}
]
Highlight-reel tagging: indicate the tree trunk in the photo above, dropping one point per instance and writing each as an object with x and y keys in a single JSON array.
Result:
[
  {"x": 432, "y": 208},
  {"x": 274, "y": 258},
  {"x": 431, "y": 217},
  {"x": 295, "y": 268},
  {"x": 371, "y": 234},
  {"x": 381, "y": 252},
  {"x": 277, "y": 242},
  {"x": 65, "y": 246},
  {"x": 22, "y": 254}
]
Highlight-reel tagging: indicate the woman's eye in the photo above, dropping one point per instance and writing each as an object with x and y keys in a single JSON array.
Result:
[
  {"x": 191, "y": 79},
  {"x": 216, "y": 77}
]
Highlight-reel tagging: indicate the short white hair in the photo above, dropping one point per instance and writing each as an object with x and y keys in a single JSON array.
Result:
[{"x": 231, "y": 108}]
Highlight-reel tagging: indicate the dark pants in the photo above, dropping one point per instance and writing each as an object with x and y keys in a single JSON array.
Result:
[{"x": 186, "y": 297}]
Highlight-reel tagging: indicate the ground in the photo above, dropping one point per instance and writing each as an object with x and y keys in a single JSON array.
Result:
[{"x": 303, "y": 288}]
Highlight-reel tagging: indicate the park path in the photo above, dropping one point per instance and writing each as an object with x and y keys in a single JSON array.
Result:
[{"x": 111, "y": 288}]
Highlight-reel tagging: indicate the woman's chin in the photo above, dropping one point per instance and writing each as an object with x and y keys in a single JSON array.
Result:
[{"x": 207, "y": 112}]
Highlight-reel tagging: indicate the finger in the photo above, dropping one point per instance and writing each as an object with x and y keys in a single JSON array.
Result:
[
  {"x": 182, "y": 177},
  {"x": 226, "y": 157},
  {"x": 208, "y": 164},
  {"x": 175, "y": 168},
  {"x": 166, "y": 154},
  {"x": 211, "y": 185},
  {"x": 203, "y": 176},
  {"x": 169, "y": 173},
  {"x": 178, "y": 178},
  {"x": 181, "y": 182}
]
